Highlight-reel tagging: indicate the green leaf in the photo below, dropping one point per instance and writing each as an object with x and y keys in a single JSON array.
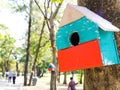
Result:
[{"x": 59, "y": 1}]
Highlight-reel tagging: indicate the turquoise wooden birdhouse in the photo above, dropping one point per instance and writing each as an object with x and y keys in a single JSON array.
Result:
[{"x": 85, "y": 40}]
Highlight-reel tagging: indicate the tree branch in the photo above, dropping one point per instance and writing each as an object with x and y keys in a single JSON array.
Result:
[
  {"x": 48, "y": 4},
  {"x": 39, "y": 8},
  {"x": 49, "y": 28},
  {"x": 51, "y": 13},
  {"x": 57, "y": 9},
  {"x": 45, "y": 9}
]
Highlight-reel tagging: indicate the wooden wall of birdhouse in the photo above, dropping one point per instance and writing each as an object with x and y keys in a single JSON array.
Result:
[
  {"x": 86, "y": 40},
  {"x": 86, "y": 29}
]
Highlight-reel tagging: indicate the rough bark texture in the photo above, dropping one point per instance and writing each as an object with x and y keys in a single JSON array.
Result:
[{"x": 104, "y": 78}]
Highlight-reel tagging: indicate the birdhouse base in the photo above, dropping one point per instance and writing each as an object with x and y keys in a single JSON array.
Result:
[{"x": 82, "y": 56}]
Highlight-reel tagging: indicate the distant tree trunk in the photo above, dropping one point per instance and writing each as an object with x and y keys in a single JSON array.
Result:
[
  {"x": 81, "y": 75},
  {"x": 72, "y": 73},
  {"x": 3, "y": 70},
  {"x": 52, "y": 38},
  {"x": 108, "y": 77},
  {"x": 58, "y": 74},
  {"x": 37, "y": 52},
  {"x": 50, "y": 24},
  {"x": 6, "y": 65},
  {"x": 17, "y": 68},
  {"x": 6, "y": 62},
  {"x": 58, "y": 77},
  {"x": 28, "y": 45},
  {"x": 49, "y": 17},
  {"x": 65, "y": 78}
]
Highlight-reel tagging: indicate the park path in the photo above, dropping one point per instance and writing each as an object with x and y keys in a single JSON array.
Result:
[{"x": 4, "y": 85}]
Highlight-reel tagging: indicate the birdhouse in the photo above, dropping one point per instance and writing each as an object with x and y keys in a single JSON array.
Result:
[
  {"x": 51, "y": 67},
  {"x": 85, "y": 40}
]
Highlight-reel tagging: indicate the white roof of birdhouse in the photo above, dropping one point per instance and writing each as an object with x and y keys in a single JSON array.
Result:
[{"x": 74, "y": 12}]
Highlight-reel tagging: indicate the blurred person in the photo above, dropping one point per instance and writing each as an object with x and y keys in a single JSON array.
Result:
[
  {"x": 72, "y": 84},
  {"x": 9, "y": 76},
  {"x": 7, "y": 73},
  {"x": 14, "y": 77}
]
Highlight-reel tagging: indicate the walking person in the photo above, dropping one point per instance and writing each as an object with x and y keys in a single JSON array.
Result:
[
  {"x": 72, "y": 84},
  {"x": 6, "y": 73},
  {"x": 14, "y": 77},
  {"x": 9, "y": 77}
]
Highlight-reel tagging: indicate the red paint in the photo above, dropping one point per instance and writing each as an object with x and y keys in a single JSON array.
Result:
[
  {"x": 82, "y": 56},
  {"x": 50, "y": 69}
]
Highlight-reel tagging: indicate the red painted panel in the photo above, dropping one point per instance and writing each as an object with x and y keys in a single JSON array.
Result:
[
  {"x": 82, "y": 56},
  {"x": 50, "y": 69}
]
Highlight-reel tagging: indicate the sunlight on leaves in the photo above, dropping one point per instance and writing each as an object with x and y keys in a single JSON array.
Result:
[{"x": 59, "y": 1}]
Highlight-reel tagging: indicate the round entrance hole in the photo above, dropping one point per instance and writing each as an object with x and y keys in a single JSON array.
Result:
[{"x": 74, "y": 39}]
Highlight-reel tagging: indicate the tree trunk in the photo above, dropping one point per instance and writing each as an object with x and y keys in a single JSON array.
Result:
[
  {"x": 3, "y": 70},
  {"x": 65, "y": 78},
  {"x": 104, "y": 78},
  {"x": 58, "y": 73},
  {"x": 17, "y": 68},
  {"x": 37, "y": 52},
  {"x": 58, "y": 77},
  {"x": 28, "y": 45},
  {"x": 53, "y": 73},
  {"x": 81, "y": 75},
  {"x": 52, "y": 39},
  {"x": 6, "y": 64},
  {"x": 50, "y": 25},
  {"x": 72, "y": 73},
  {"x": 53, "y": 81}
]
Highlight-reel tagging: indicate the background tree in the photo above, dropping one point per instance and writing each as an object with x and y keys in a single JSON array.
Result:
[
  {"x": 28, "y": 43},
  {"x": 6, "y": 48},
  {"x": 65, "y": 78},
  {"x": 36, "y": 41},
  {"x": 25, "y": 8},
  {"x": 49, "y": 17},
  {"x": 102, "y": 78},
  {"x": 17, "y": 54},
  {"x": 37, "y": 52}
]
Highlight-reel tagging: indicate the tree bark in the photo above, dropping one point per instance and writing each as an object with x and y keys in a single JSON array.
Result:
[
  {"x": 28, "y": 45},
  {"x": 17, "y": 68},
  {"x": 65, "y": 78},
  {"x": 50, "y": 24},
  {"x": 107, "y": 77},
  {"x": 37, "y": 52},
  {"x": 81, "y": 75},
  {"x": 53, "y": 73}
]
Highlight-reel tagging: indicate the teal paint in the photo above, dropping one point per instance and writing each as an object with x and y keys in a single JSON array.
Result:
[
  {"x": 108, "y": 48},
  {"x": 86, "y": 29}
]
